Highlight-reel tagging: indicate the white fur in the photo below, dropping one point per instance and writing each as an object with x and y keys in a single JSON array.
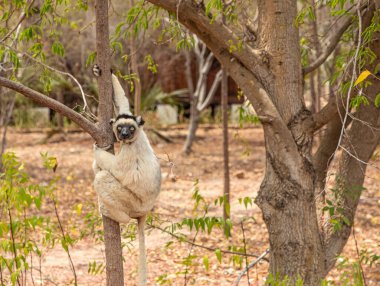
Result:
[{"x": 128, "y": 183}]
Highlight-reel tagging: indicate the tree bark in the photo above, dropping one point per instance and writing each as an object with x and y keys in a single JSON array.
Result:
[
  {"x": 5, "y": 118},
  {"x": 112, "y": 238},
  {"x": 226, "y": 169},
  {"x": 286, "y": 195},
  {"x": 60, "y": 121}
]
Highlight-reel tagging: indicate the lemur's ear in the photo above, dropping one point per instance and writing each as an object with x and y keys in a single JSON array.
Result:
[
  {"x": 112, "y": 121},
  {"x": 140, "y": 121}
]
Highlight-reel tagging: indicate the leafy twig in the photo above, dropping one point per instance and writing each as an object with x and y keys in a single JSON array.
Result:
[
  {"x": 245, "y": 251},
  {"x": 358, "y": 253},
  {"x": 12, "y": 235},
  {"x": 191, "y": 249},
  {"x": 212, "y": 249},
  {"x": 64, "y": 238}
]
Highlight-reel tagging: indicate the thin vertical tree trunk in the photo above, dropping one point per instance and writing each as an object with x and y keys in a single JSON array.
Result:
[
  {"x": 317, "y": 46},
  {"x": 112, "y": 238},
  {"x": 194, "y": 113},
  {"x": 135, "y": 70},
  {"x": 4, "y": 121},
  {"x": 226, "y": 172}
]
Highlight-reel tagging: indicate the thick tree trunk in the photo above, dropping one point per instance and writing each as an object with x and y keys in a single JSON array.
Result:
[
  {"x": 286, "y": 196},
  {"x": 287, "y": 203}
]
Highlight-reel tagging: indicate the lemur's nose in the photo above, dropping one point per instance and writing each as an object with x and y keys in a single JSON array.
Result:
[{"x": 125, "y": 133}]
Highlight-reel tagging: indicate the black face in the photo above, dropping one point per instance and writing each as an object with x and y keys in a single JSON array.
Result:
[{"x": 125, "y": 131}]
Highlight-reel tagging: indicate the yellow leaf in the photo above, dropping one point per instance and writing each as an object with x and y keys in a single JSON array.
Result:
[
  {"x": 362, "y": 77},
  {"x": 79, "y": 209}
]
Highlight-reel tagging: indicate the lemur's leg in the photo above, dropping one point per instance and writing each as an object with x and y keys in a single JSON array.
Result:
[
  {"x": 104, "y": 159},
  {"x": 95, "y": 167},
  {"x": 108, "y": 189},
  {"x": 113, "y": 212}
]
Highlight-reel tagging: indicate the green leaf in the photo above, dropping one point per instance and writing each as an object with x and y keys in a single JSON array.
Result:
[
  {"x": 58, "y": 49},
  {"x": 91, "y": 59},
  {"x": 206, "y": 262},
  {"x": 362, "y": 77},
  {"x": 377, "y": 100},
  {"x": 346, "y": 220},
  {"x": 218, "y": 254},
  {"x": 359, "y": 100}
]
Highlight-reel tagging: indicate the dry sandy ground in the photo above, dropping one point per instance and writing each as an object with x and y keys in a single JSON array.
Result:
[{"x": 205, "y": 164}]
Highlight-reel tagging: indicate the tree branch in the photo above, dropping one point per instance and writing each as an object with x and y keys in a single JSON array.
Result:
[
  {"x": 218, "y": 38},
  {"x": 331, "y": 44},
  {"x": 246, "y": 67},
  {"x": 321, "y": 118},
  {"x": 204, "y": 102},
  {"x": 44, "y": 100}
]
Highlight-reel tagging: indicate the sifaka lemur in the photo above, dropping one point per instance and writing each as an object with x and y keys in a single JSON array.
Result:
[{"x": 128, "y": 183}]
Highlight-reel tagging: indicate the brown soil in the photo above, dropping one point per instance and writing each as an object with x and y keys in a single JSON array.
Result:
[{"x": 247, "y": 163}]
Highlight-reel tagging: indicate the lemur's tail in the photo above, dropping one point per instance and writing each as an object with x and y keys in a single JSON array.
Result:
[
  {"x": 143, "y": 268},
  {"x": 120, "y": 100}
]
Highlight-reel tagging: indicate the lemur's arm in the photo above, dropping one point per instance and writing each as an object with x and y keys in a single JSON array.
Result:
[{"x": 104, "y": 159}]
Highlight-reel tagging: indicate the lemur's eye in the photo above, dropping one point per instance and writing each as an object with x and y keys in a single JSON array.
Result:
[
  {"x": 119, "y": 128},
  {"x": 132, "y": 128}
]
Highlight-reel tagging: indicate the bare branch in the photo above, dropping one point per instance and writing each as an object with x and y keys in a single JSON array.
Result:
[
  {"x": 212, "y": 249},
  {"x": 331, "y": 43},
  {"x": 253, "y": 263},
  {"x": 44, "y": 100},
  {"x": 203, "y": 103}
]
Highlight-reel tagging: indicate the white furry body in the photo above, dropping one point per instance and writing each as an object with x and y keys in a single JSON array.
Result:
[{"x": 127, "y": 183}]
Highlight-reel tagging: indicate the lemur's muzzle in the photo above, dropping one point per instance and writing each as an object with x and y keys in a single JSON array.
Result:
[{"x": 125, "y": 133}]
